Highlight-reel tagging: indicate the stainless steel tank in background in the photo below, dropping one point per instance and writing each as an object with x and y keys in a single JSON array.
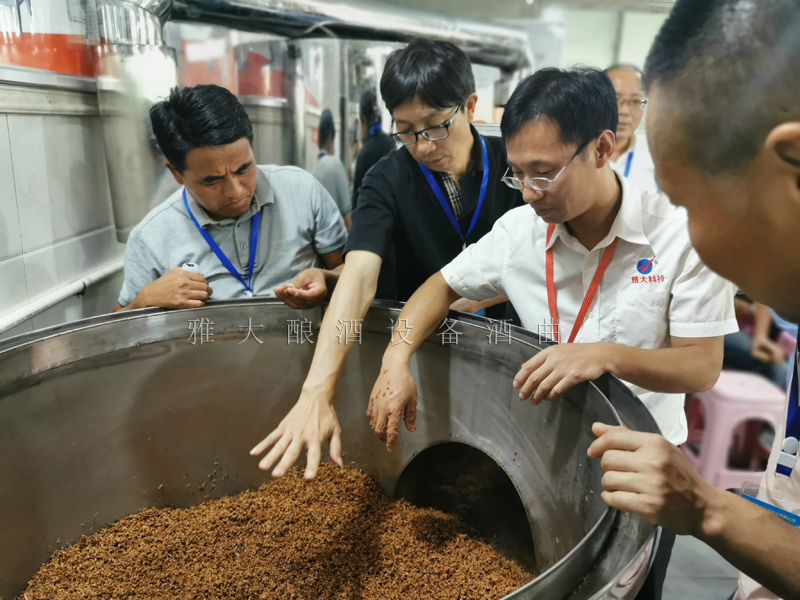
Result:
[
  {"x": 103, "y": 417},
  {"x": 324, "y": 48}
]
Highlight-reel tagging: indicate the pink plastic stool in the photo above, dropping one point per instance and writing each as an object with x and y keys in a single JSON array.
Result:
[
  {"x": 736, "y": 398},
  {"x": 788, "y": 343}
]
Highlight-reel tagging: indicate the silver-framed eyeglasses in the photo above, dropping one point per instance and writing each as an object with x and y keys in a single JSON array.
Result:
[
  {"x": 432, "y": 134},
  {"x": 539, "y": 184},
  {"x": 637, "y": 103}
]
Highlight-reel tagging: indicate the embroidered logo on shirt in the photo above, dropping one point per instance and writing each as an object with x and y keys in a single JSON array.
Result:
[
  {"x": 645, "y": 265},
  {"x": 648, "y": 279}
]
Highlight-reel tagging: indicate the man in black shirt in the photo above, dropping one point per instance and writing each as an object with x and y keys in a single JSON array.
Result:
[
  {"x": 377, "y": 143},
  {"x": 440, "y": 192}
]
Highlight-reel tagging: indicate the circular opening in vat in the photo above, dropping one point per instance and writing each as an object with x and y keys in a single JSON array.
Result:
[{"x": 459, "y": 479}]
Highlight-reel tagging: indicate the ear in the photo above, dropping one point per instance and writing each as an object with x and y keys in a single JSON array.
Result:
[
  {"x": 175, "y": 173},
  {"x": 783, "y": 142},
  {"x": 469, "y": 106},
  {"x": 606, "y": 142}
]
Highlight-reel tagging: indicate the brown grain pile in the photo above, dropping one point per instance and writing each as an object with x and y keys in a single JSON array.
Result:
[{"x": 336, "y": 537}]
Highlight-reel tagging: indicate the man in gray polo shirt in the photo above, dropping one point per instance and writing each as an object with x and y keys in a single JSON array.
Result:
[{"x": 249, "y": 230}]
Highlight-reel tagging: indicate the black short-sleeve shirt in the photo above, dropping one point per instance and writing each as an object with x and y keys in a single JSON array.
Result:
[
  {"x": 378, "y": 145},
  {"x": 399, "y": 218}
]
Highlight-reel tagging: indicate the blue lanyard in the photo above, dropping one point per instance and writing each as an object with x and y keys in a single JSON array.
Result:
[
  {"x": 446, "y": 205},
  {"x": 320, "y": 155},
  {"x": 374, "y": 128},
  {"x": 628, "y": 164},
  {"x": 254, "y": 227},
  {"x": 787, "y": 458}
]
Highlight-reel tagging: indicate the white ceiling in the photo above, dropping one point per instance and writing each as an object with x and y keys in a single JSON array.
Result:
[{"x": 520, "y": 9}]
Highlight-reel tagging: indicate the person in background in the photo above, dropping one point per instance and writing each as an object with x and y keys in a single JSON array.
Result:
[
  {"x": 249, "y": 230},
  {"x": 723, "y": 126},
  {"x": 375, "y": 142},
  {"x": 655, "y": 316},
  {"x": 754, "y": 348},
  {"x": 631, "y": 159},
  {"x": 440, "y": 192},
  {"x": 330, "y": 170}
]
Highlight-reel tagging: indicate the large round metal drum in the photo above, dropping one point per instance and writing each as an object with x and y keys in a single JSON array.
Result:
[{"x": 103, "y": 417}]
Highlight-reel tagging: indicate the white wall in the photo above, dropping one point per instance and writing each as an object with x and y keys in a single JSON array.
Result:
[
  {"x": 598, "y": 37},
  {"x": 56, "y": 224},
  {"x": 589, "y": 35},
  {"x": 638, "y": 32}
]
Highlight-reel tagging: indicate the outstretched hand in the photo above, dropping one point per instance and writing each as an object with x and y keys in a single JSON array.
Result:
[{"x": 310, "y": 423}]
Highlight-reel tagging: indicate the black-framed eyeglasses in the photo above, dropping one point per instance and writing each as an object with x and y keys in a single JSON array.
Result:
[
  {"x": 540, "y": 184},
  {"x": 432, "y": 134}
]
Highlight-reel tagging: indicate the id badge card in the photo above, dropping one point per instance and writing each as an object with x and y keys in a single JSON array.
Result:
[{"x": 789, "y": 509}]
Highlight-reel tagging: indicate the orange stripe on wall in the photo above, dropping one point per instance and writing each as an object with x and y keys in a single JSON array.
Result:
[{"x": 56, "y": 52}]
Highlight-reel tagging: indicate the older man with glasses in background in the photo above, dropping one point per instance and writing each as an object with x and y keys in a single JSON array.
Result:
[
  {"x": 596, "y": 261},
  {"x": 440, "y": 192},
  {"x": 631, "y": 157}
]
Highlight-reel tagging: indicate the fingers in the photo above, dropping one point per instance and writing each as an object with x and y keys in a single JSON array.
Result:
[
  {"x": 198, "y": 277},
  {"x": 201, "y": 295},
  {"x": 192, "y": 304},
  {"x": 528, "y": 368},
  {"x": 267, "y": 442},
  {"x": 558, "y": 389},
  {"x": 288, "y": 300},
  {"x": 542, "y": 390},
  {"x": 618, "y": 438},
  {"x": 411, "y": 414},
  {"x": 289, "y": 458},
  {"x": 198, "y": 285},
  {"x": 616, "y": 481},
  {"x": 276, "y": 452},
  {"x": 305, "y": 278},
  {"x": 628, "y": 502},
  {"x": 380, "y": 417},
  {"x": 391, "y": 431},
  {"x": 533, "y": 381},
  {"x": 307, "y": 293},
  {"x": 313, "y": 459},
  {"x": 601, "y": 428},
  {"x": 369, "y": 411},
  {"x": 336, "y": 446},
  {"x": 620, "y": 460}
]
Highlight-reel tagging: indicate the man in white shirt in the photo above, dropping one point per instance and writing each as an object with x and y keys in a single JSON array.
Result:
[
  {"x": 629, "y": 158},
  {"x": 658, "y": 316},
  {"x": 610, "y": 266}
]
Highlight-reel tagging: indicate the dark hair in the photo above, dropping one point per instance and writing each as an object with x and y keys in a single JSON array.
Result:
[
  {"x": 731, "y": 72},
  {"x": 326, "y": 127},
  {"x": 438, "y": 73},
  {"x": 368, "y": 107},
  {"x": 198, "y": 117},
  {"x": 582, "y": 102}
]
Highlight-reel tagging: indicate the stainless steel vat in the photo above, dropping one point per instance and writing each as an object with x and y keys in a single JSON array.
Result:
[{"x": 102, "y": 417}]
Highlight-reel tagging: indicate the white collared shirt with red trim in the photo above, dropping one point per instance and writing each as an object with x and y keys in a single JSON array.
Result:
[
  {"x": 655, "y": 285},
  {"x": 642, "y": 173}
]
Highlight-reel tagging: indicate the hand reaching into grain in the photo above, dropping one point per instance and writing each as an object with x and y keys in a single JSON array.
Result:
[
  {"x": 310, "y": 423},
  {"x": 393, "y": 396}
]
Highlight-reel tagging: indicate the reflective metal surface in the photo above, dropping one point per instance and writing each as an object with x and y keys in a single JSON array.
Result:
[
  {"x": 130, "y": 79},
  {"x": 103, "y": 417},
  {"x": 485, "y": 44}
]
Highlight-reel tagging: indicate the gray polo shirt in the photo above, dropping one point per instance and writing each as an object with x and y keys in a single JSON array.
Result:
[
  {"x": 331, "y": 174},
  {"x": 299, "y": 222}
]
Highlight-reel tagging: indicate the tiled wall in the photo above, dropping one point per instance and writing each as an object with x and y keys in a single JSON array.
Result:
[{"x": 56, "y": 224}]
